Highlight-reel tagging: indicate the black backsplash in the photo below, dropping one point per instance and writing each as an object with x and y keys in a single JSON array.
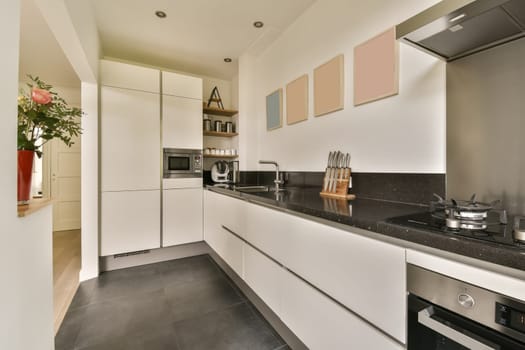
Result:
[
  {"x": 397, "y": 187},
  {"x": 406, "y": 188}
]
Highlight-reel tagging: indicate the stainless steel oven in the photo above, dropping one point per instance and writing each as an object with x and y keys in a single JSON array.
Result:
[
  {"x": 180, "y": 163},
  {"x": 448, "y": 314}
]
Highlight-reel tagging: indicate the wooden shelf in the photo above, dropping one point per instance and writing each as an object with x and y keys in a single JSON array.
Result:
[
  {"x": 220, "y": 156},
  {"x": 217, "y": 111},
  {"x": 220, "y": 134}
]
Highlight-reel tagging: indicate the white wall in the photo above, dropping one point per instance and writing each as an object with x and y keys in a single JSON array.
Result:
[
  {"x": 74, "y": 26},
  {"x": 26, "y": 320},
  {"x": 404, "y": 133},
  {"x": 89, "y": 191}
]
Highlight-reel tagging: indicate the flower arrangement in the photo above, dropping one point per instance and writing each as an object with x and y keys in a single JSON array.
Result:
[{"x": 43, "y": 115}]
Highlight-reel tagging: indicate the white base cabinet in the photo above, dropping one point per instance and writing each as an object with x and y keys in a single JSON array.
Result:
[
  {"x": 224, "y": 243},
  {"x": 322, "y": 324},
  {"x": 264, "y": 276},
  {"x": 181, "y": 216},
  {"x": 363, "y": 275},
  {"x": 130, "y": 221}
]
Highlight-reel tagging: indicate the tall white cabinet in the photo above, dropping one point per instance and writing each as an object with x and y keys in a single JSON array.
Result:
[
  {"x": 181, "y": 128},
  {"x": 181, "y": 111},
  {"x": 142, "y": 111},
  {"x": 130, "y": 158}
]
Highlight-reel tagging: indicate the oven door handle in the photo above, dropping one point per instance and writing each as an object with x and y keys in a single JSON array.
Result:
[{"x": 425, "y": 318}]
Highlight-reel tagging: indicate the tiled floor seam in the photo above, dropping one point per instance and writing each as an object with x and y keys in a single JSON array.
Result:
[{"x": 211, "y": 312}]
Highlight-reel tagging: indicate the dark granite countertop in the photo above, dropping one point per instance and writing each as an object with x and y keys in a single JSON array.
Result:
[{"x": 372, "y": 215}]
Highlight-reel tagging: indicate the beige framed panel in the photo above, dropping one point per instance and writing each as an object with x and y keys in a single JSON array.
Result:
[
  {"x": 376, "y": 68},
  {"x": 297, "y": 100},
  {"x": 274, "y": 110},
  {"x": 329, "y": 86}
]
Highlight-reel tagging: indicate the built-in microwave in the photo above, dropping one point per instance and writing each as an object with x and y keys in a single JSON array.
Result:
[{"x": 180, "y": 163}]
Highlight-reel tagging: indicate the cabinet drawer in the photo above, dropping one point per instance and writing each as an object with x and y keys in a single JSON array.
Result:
[
  {"x": 224, "y": 243},
  {"x": 226, "y": 211},
  {"x": 323, "y": 324},
  {"x": 263, "y": 276}
]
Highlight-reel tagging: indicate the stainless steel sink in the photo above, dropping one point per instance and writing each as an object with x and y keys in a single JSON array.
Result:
[
  {"x": 252, "y": 189},
  {"x": 259, "y": 189}
]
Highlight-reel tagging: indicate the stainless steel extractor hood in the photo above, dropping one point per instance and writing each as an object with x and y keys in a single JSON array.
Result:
[{"x": 452, "y": 29}]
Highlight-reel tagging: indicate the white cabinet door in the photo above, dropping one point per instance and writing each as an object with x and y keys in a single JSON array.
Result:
[
  {"x": 224, "y": 243},
  {"x": 181, "y": 122},
  {"x": 128, "y": 76},
  {"x": 181, "y": 216},
  {"x": 323, "y": 324},
  {"x": 130, "y": 221},
  {"x": 367, "y": 276},
  {"x": 130, "y": 140},
  {"x": 182, "y": 85},
  {"x": 264, "y": 277}
]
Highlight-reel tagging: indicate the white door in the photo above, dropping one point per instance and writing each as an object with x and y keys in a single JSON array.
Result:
[
  {"x": 181, "y": 122},
  {"x": 65, "y": 185},
  {"x": 182, "y": 216}
]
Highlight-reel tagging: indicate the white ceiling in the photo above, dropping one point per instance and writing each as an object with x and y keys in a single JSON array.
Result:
[
  {"x": 196, "y": 35},
  {"x": 40, "y": 53}
]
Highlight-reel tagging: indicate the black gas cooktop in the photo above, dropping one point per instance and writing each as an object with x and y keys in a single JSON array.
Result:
[{"x": 494, "y": 232}]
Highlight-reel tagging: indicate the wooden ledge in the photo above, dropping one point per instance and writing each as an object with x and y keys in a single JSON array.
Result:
[{"x": 34, "y": 205}]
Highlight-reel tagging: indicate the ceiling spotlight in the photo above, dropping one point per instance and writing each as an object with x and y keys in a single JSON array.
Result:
[
  {"x": 227, "y": 60},
  {"x": 258, "y": 24},
  {"x": 161, "y": 14}
]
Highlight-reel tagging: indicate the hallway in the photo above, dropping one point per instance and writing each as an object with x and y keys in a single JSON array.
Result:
[{"x": 66, "y": 266}]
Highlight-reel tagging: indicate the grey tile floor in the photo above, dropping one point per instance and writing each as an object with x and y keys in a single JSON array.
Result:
[{"x": 177, "y": 305}]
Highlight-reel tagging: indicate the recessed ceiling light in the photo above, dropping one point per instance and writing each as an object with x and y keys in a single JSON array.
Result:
[
  {"x": 258, "y": 24},
  {"x": 161, "y": 14},
  {"x": 227, "y": 60}
]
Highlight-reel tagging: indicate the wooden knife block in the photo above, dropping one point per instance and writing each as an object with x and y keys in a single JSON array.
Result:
[{"x": 341, "y": 188}]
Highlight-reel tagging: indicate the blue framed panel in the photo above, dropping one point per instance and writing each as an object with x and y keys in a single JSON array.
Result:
[{"x": 274, "y": 110}]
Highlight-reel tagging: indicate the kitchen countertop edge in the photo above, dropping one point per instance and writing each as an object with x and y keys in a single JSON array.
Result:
[{"x": 495, "y": 257}]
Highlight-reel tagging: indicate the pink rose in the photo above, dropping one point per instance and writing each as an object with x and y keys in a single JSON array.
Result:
[{"x": 40, "y": 96}]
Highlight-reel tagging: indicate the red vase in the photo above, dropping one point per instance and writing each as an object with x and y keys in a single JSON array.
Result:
[{"x": 25, "y": 172}]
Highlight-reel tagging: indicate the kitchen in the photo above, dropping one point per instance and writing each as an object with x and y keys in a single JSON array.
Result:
[{"x": 401, "y": 134}]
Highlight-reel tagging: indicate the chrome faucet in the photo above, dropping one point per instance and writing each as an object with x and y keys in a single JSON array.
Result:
[{"x": 277, "y": 180}]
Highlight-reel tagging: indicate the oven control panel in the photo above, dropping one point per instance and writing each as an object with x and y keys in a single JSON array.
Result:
[{"x": 510, "y": 317}]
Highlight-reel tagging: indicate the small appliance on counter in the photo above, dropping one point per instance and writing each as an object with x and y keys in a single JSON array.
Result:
[
  {"x": 223, "y": 172},
  {"x": 219, "y": 171}
]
